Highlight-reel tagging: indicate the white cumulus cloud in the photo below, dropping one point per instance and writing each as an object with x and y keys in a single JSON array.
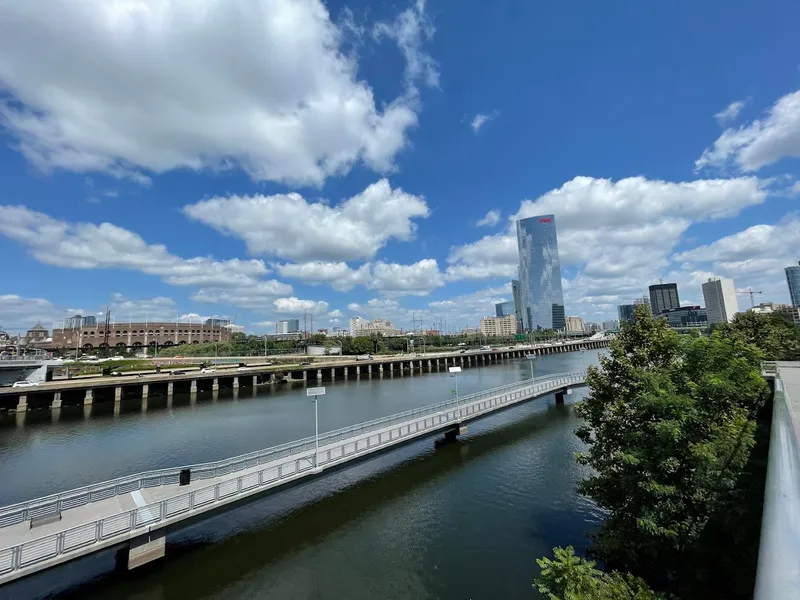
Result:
[
  {"x": 129, "y": 88},
  {"x": 287, "y": 225},
  {"x": 730, "y": 112},
  {"x": 490, "y": 219},
  {"x": 760, "y": 143}
]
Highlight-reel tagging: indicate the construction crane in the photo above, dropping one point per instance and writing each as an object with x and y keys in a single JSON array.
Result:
[{"x": 750, "y": 293}]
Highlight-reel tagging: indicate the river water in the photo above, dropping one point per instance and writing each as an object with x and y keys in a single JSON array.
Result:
[{"x": 426, "y": 521}]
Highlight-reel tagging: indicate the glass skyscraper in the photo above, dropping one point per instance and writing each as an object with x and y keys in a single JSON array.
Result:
[
  {"x": 540, "y": 274},
  {"x": 793, "y": 280}
]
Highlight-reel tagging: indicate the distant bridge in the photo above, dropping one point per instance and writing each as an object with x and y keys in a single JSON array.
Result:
[{"x": 135, "y": 512}]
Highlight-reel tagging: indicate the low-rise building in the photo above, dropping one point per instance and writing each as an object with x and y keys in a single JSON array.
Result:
[
  {"x": 139, "y": 335},
  {"x": 574, "y": 324},
  {"x": 499, "y": 326},
  {"x": 611, "y": 325},
  {"x": 686, "y": 316}
]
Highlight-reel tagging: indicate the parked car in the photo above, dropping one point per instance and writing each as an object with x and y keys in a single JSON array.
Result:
[
  {"x": 207, "y": 370},
  {"x": 305, "y": 363},
  {"x": 115, "y": 374},
  {"x": 243, "y": 369},
  {"x": 21, "y": 384},
  {"x": 179, "y": 372}
]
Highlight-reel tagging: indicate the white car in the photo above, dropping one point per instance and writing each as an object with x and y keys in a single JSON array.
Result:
[
  {"x": 207, "y": 370},
  {"x": 243, "y": 369},
  {"x": 19, "y": 384}
]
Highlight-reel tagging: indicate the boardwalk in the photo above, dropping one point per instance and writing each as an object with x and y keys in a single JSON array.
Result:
[{"x": 139, "y": 509}]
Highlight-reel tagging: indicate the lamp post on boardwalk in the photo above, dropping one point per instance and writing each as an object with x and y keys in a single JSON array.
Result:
[
  {"x": 455, "y": 371},
  {"x": 316, "y": 391},
  {"x": 583, "y": 358},
  {"x": 531, "y": 358}
]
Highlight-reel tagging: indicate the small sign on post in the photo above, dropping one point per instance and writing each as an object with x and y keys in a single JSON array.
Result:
[{"x": 316, "y": 391}]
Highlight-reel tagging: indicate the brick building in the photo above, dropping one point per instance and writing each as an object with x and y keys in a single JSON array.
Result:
[{"x": 139, "y": 335}]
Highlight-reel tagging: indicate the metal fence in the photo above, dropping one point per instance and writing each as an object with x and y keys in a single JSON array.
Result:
[{"x": 335, "y": 447}]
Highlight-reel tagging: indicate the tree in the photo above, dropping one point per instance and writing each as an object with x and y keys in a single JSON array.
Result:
[
  {"x": 776, "y": 336},
  {"x": 570, "y": 577},
  {"x": 669, "y": 424}
]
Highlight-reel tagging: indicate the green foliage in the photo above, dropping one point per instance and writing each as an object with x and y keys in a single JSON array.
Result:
[
  {"x": 570, "y": 577},
  {"x": 669, "y": 425},
  {"x": 776, "y": 336}
]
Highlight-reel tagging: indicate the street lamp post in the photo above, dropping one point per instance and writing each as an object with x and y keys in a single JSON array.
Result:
[
  {"x": 455, "y": 371},
  {"x": 531, "y": 358},
  {"x": 317, "y": 391}
]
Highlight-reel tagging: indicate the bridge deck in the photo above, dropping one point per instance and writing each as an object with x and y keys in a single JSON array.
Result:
[{"x": 114, "y": 512}]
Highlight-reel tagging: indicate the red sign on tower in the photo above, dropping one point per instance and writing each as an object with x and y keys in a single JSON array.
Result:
[{"x": 547, "y": 220}]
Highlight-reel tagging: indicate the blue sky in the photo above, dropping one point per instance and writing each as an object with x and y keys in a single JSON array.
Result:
[{"x": 262, "y": 158}]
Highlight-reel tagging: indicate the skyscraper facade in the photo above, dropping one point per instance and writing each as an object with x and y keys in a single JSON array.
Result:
[
  {"x": 541, "y": 295},
  {"x": 793, "y": 281},
  {"x": 720, "y": 297},
  {"x": 517, "y": 303},
  {"x": 663, "y": 297},
  {"x": 625, "y": 312},
  {"x": 504, "y": 309}
]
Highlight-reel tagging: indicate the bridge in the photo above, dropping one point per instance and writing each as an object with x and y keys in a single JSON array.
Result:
[
  {"x": 34, "y": 369},
  {"x": 135, "y": 513},
  {"x": 86, "y": 391}
]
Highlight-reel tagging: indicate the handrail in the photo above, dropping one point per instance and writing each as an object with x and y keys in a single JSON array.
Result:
[
  {"x": 55, "y": 503},
  {"x": 122, "y": 526},
  {"x": 777, "y": 575}
]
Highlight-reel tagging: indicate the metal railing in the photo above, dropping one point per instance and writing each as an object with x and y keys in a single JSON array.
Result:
[
  {"x": 56, "y": 503},
  {"x": 335, "y": 447},
  {"x": 778, "y": 574}
]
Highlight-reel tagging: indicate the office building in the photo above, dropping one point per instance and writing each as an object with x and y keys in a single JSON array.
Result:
[
  {"x": 503, "y": 309},
  {"x": 790, "y": 312},
  {"x": 625, "y": 313},
  {"x": 540, "y": 274},
  {"x": 611, "y": 325},
  {"x": 663, "y": 297},
  {"x": 499, "y": 326},
  {"x": 793, "y": 281},
  {"x": 288, "y": 326},
  {"x": 574, "y": 324},
  {"x": 218, "y": 322},
  {"x": 686, "y": 316},
  {"x": 720, "y": 298},
  {"x": 356, "y": 323},
  {"x": 515, "y": 292}
]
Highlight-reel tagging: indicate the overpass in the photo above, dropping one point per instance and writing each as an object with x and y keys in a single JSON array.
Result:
[
  {"x": 135, "y": 513},
  {"x": 86, "y": 391},
  {"x": 19, "y": 368}
]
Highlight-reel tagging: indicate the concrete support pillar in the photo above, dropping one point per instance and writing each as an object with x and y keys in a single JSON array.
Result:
[
  {"x": 380, "y": 368},
  {"x": 346, "y": 369},
  {"x": 429, "y": 365},
  {"x": 305, "y": 375},
  {"x": 333, "y": 374},
  {"x": 118, "y": 394},
  {"x": 358, "y": 370},
  {"x": 319, "y": 374},
  {"x": 214, "y": 384},
  {"x": 420, "y": 366},
  {"x": 56, "y": 401},
  {"x": 255, "y": 379},
  {"x": 411, "y": 367},
  {"x": 170, "y": 388},
  {"x": 369, "y": 370},
  {"x": 462, "y": 361},
  {"x": 89, "y": 397},
  {"x": 236, "y": 383},
  {"x": 144, "y": 549},
  {"x": 560, "y": 397},
  {"x": 145, "y": 390},
  {"x": 391, "y": 368},
  {"x": 193, "y": 387},
  {"x": 22, "y": 403}
]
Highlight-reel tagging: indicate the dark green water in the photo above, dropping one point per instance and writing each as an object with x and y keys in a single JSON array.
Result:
[{"x": 463, "y": 520}]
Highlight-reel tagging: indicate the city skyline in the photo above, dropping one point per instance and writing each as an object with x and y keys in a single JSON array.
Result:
[{"x": 396, "y": 197}]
